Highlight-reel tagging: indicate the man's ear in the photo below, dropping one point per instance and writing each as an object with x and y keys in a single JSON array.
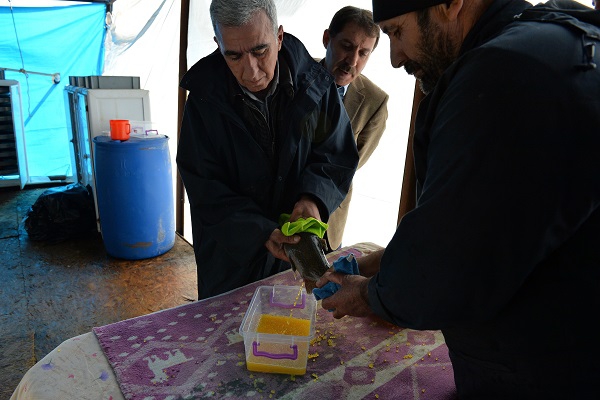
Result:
[
  {"x": 280, "y": 37},
  {"x": 217, "y": 42},
  {"x": 452, "y": 8},
  {"x": 326, "y": 38}
]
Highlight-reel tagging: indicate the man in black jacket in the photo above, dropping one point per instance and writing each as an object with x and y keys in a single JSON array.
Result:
[
  {"x": 264, "y": 133},
  {"x": 501, "y": 252}
]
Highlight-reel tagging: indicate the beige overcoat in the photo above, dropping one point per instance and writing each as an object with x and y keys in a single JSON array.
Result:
[{"x": 366, "y": 105}]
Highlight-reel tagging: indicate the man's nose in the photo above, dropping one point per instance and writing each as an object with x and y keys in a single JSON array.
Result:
[
  {"x": 397, "y": 57},
  {"x": 352, "y": 58},
  {"x": 250, "y": 67}
]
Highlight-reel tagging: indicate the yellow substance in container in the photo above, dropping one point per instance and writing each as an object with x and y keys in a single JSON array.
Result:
[
  {"x": 281, "y": 325},
  {"x": 276, "y": 369}
]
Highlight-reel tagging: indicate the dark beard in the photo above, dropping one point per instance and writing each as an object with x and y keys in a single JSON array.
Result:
[{"x": 436, "y": 53}]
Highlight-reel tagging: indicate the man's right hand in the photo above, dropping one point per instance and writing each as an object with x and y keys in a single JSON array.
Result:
[
  {"x": 369, "y": 265},
  {"x": 352, "y": 298}
]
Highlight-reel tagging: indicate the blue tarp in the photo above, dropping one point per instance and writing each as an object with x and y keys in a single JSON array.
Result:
[{"x": 68, "y": 40}]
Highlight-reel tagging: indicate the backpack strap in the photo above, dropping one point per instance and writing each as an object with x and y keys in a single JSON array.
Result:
[
  {"x": 574, "y": 16},
  {"x": 565, "y": 12}
]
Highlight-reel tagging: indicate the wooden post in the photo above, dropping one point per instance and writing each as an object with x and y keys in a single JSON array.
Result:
[
  {"x": 408, "y": 194},
  {"x": 182, "y": 97}
]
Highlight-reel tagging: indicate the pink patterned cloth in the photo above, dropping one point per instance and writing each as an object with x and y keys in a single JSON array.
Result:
[{"x": 195, "y": 351}]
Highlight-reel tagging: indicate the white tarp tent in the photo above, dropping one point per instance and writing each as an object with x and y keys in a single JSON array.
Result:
[
  {"x": 154, "y": 57},
  {"x": 143, "y": 40},
  {"x": 374, "y": 208}
]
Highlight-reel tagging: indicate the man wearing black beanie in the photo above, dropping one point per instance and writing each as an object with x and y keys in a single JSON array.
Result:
[{"x": 501, "y": 251}]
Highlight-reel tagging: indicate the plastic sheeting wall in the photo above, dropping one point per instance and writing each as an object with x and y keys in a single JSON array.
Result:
[
  {"x": 374, "y": 207},
  {"x": 376, "y": 197},
  {"x": 68, "y": 40},
  {"x": 143, "y": 40}
]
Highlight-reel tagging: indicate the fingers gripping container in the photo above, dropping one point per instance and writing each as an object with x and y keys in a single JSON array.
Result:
[{"x": 277, "y": 329}]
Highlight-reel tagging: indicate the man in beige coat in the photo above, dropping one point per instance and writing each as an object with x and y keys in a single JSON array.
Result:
[{"x": 350, "y": 39}]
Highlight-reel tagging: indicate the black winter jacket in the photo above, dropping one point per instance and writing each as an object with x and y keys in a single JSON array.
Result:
[
  {"x": 502, "y": 252},
  {"x": 235, "y": 194}
]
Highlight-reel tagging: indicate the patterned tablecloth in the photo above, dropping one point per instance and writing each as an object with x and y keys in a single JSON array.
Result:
[{"x": 195, "y": 351}]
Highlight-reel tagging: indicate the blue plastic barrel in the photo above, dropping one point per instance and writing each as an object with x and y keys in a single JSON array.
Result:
[{"x": 134, "y": 190}]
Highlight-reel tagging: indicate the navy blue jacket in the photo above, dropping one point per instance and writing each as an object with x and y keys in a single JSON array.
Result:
[
  {"x": 235, "y": 195},
  {"x": 502, "y": 252}
]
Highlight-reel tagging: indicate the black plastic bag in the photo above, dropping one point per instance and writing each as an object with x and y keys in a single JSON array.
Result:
[{"x": 61, "y": 213}]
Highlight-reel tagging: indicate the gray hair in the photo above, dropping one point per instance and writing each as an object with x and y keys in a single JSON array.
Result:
[{"x": 234, "y": 13}]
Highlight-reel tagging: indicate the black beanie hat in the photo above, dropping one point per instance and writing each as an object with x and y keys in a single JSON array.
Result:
[{"x": 386, "y": 9}]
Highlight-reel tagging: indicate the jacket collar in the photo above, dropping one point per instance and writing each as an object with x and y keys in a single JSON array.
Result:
[
  {"x": 282, "y": 79},
  {"x": 492, "y": 22}
]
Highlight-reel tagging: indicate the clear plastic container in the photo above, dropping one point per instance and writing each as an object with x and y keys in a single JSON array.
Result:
[
  {"x": 144, "y": 129},
  {"x": 277, "y": 329}
]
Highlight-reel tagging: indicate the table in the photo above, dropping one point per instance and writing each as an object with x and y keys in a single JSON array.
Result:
[{"x": 195, "y": 351}]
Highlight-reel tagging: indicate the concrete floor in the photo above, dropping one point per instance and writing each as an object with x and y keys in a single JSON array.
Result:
[{"x": 52, "y": 292}]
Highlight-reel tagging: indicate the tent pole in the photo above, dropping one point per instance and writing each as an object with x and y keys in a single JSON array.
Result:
[
  {"x": 408, "y": 195},
  {"x": 183, "y": 45}
]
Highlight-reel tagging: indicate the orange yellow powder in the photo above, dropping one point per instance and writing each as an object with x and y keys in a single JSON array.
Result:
[{"x": 282, "y": 325}]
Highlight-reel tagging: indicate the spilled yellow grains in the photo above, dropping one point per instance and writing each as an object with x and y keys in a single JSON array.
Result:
[
  {"x": 371, "y": 365},
  {"x": 408, "y": 356}
]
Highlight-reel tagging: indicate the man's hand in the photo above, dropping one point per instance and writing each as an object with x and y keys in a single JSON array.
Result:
[
  {"x": 276, "y": 241},
  {"x": 352, "y": 297},
  {"x": 369, "y": 265},
  {"x": 305, "y": 208}
]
